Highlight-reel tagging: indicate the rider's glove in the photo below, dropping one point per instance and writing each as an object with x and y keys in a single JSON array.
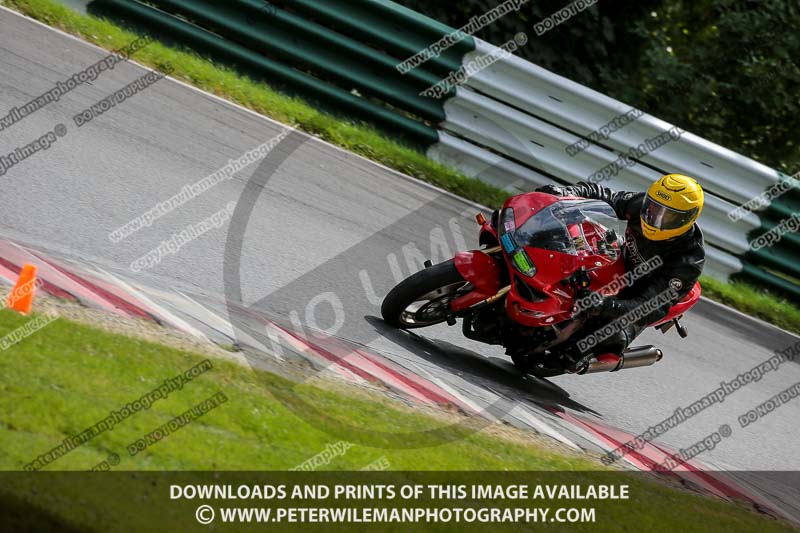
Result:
[{"x": 555, "y": 190}]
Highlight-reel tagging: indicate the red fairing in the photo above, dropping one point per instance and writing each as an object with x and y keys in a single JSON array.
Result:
[
  {"x": 480, "y": 270},
  {"x": 556, "y": 297}
]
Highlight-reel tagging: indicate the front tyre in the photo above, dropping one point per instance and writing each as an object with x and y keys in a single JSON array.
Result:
[{"x": 423, "y": 299}]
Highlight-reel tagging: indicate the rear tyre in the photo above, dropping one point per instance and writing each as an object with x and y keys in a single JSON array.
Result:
[{"x": 423, "y": 299}]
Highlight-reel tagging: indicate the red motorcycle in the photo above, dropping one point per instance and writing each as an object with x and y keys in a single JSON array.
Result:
[{"x": 540, "y": 255}]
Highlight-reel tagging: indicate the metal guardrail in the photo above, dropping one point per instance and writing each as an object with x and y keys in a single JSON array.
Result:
[
  {"x": 343, "y": 67},
  {"x": 581, "y": 110},
  {"x": 541, "y": 146}
]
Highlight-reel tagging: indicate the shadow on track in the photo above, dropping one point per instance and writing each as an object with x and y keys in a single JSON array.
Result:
[{"x": 494, "y": 374}]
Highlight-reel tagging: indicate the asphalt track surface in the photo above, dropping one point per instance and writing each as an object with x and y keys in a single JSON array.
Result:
[{"x": 323, "y": 217}]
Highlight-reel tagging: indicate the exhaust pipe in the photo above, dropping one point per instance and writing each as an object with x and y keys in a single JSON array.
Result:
[{"x": 631, "y": 358}]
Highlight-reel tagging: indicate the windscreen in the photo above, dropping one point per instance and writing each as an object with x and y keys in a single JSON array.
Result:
[{"x": 572, "y": 226}]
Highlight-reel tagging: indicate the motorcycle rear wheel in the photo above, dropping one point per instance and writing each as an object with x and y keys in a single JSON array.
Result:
[{"x": 423, "y": 299}]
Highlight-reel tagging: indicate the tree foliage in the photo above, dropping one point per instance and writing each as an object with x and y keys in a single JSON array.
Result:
[{"x": 728, "y": 71}]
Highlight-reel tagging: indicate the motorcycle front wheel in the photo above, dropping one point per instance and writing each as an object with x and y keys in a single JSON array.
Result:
[{"x": 423, "y": 299}]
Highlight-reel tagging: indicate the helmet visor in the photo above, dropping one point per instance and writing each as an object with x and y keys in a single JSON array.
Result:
[{"x": 662, "y": 217}]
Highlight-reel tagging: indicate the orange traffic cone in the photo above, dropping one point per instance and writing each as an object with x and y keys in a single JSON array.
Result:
[{"x": 21, "y": 297}]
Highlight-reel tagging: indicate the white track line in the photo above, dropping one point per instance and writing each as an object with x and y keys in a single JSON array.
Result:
[
  {"x": 173, "y": 319},
  {"x": 521, "y": 413}
]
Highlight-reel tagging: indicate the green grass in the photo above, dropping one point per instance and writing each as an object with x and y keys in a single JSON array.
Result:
[
  {"x": 356, "y": 137},
  {"x": 754, "y": 302},
  {"x": 67, "y": 376}
]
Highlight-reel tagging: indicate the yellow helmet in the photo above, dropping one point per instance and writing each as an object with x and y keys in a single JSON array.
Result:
[{"x": 671, "y": 207}]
